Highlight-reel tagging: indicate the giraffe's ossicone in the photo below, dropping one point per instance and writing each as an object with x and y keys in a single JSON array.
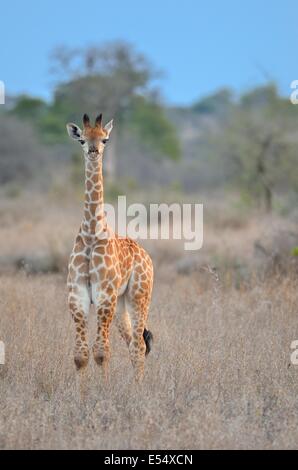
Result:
[{"x": 113, "y": 273}]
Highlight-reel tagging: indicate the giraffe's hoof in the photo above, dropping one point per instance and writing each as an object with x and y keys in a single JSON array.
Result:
[
  {"x": 81, "y": 360},
  {"x": 99, "y": 360},
  {"x": 99, "y": 356},
  {"x": 139, "y": 377}
]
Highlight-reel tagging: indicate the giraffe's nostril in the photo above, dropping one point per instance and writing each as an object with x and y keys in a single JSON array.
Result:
[{"x": 93, "y": 153}]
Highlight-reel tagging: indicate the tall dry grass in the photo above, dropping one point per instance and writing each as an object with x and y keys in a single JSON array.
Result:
[{"x": 219, "y": 375}]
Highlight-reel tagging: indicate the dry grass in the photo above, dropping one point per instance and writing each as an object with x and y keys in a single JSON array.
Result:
[{"x": 218, "y": 376}]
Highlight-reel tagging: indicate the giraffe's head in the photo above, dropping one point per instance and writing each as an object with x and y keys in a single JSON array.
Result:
[{"x": 92, "y": 139}]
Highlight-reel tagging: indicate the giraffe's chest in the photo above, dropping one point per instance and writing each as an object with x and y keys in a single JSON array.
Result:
[
  {"x": 102, "y": 263},
  {"x": 109, "y": 267},
  {"x": 106, "y": 277}
]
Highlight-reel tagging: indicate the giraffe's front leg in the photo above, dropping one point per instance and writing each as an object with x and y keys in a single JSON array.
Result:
[
  {"x": 101, "y": 349},
  {"x": 79, "y": 299},
  {"x": 79, "y": 304}
]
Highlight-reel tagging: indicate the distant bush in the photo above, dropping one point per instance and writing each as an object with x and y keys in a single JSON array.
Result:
[
  {"x": 21, "y": 155},
  {"x": 295, "y": 251}
]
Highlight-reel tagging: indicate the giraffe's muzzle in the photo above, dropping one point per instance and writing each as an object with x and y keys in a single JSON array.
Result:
[{"x": 93, "y": 155}]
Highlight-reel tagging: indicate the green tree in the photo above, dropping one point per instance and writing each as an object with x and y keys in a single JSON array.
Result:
[
  {"x": 261, "y": 97},
  {"x": 116, "y": 80},
  {"x": 219, "y": 103},
  {"x": 256, "y": 143},
  {"x": 148, "y": 120},
  {"x": 27, "y": 107}
]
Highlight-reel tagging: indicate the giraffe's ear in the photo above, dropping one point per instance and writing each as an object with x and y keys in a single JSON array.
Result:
[
  {"x": 73, "y": 131},
  {"x": 108, "y": 127}
]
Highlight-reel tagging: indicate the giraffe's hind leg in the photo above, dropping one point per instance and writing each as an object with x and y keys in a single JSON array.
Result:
[
  {"x": 138, "y": 308},
  {"x": 123, "y": 320},
  {"x": 138, "y": 297}
]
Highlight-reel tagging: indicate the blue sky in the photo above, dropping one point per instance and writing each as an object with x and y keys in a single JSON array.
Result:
[{"x": 200, "y": 45}]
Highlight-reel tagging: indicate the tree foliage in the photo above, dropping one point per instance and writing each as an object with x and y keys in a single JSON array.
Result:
[
  {"x": 22, "y": 156},
  {"x": 218, "y": 104},
  {"x": 148, "y": 121},
  {"x": 256, "y": 142},
  {"x": 113, "y": 79}
]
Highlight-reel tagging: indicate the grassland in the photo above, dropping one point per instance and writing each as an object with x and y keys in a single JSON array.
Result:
[{"x": 219, "y": 375}]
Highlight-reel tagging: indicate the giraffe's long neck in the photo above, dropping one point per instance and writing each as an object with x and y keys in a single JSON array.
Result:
[{"x": 94, "y": 221}]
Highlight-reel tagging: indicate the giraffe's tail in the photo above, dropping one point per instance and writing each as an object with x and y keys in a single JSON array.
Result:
[{"x": 148, "y": 338}]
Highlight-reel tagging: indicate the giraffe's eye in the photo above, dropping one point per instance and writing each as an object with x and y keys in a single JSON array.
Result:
[{"x": 104, "y": 141}]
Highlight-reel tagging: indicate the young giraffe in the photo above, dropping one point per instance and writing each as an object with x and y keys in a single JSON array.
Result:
[{"x": 113, "y": 273}]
